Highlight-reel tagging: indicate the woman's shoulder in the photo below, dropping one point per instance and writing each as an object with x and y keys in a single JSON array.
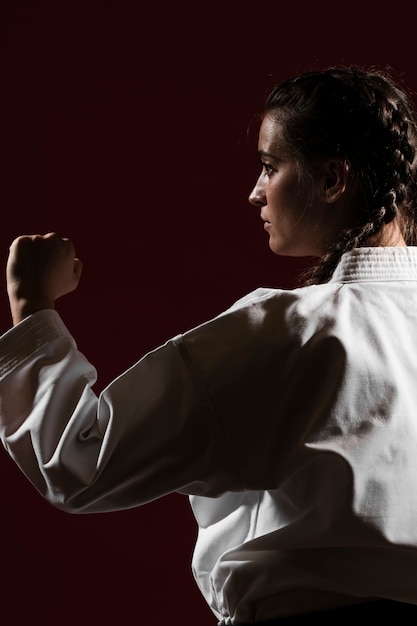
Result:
[
  {"x": 267, "y": 313},
  {"x": 300, "y": 298}
]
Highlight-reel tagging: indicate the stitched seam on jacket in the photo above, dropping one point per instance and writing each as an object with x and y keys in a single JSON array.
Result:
[{"x": 203, "y": 394}]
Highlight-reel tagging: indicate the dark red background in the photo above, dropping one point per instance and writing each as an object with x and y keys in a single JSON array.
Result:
[{"x": 124, "y": 126}]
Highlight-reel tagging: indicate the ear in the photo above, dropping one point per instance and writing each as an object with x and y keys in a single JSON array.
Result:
[{"x": 334, "y": 179}]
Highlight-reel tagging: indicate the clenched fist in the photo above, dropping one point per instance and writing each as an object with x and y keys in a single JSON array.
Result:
[{"x": 40, "y": 269}]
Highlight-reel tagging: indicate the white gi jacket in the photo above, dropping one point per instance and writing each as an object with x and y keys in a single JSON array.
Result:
[{"x": 290, "y": 420}]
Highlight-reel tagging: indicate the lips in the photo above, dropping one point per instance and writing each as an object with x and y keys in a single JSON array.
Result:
[{"x": 265, "y": 221}]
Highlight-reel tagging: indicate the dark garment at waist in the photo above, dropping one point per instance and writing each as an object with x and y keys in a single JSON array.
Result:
[{"x": 387, "y": 609}]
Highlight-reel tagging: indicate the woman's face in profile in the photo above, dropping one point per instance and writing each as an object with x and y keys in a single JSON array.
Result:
[{"x": 293, "y": 214}]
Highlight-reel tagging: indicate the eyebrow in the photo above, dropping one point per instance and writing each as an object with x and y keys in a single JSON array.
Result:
[{"x": 262, "y": 153}]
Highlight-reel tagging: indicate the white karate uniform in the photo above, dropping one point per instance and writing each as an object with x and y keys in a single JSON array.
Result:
[{"x": 290, "y": 420}]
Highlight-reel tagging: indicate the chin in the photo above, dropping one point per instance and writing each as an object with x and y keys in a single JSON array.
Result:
[
  {"x": 293, "y": 251},
  {"x": 283, "y": 250}
]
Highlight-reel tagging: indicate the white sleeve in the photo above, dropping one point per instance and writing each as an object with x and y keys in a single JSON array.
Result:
[{"x": 149, "y": 433}]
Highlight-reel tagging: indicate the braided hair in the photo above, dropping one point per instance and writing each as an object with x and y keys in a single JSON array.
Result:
[{"x": 363, "y": 117}]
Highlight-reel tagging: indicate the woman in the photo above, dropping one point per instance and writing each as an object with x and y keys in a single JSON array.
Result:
[{"x": 290, "y": 419}]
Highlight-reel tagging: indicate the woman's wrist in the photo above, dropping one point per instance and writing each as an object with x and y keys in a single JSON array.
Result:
[{"x": 21, "y": 308}]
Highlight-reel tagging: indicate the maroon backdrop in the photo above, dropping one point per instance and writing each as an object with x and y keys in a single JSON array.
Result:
[{"x": 125, "y": 128}]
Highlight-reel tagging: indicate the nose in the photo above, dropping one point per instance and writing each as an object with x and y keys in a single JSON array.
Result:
[{"x": 257, "y": 195}]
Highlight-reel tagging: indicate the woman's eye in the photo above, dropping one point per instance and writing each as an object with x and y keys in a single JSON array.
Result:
[{"x": 268, "y": 169}]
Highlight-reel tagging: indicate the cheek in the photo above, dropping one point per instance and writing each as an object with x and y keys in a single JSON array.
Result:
[
  {"x": 302, "y": 199},
  {"x": 290, "y": 200}
]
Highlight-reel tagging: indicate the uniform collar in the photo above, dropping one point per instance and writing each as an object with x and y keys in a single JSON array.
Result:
[{"x": 377, "y": 264}]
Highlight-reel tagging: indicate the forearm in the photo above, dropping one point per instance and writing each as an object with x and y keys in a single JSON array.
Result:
[
  {"x": 46, "y": 403},
  {"x": 147, "y": 434}
]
